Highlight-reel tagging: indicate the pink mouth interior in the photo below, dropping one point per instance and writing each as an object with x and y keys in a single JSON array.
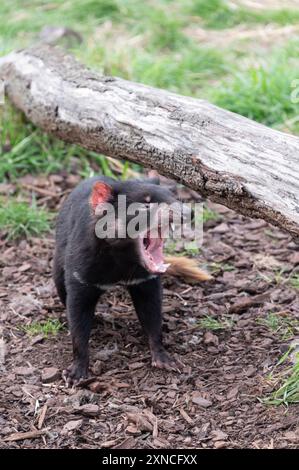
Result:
[{"x": 151, "y": 250}]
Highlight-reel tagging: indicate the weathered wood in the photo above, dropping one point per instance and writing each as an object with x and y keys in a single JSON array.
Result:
[{"x": 227, "y": 158}]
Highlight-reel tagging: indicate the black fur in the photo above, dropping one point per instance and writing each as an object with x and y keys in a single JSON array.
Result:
[{"x": 97, "y": 262}]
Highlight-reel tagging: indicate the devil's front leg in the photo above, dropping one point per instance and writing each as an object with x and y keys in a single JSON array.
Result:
[
  {"x": 81, "y": 304},
  {"x": 147, "y": 300}
]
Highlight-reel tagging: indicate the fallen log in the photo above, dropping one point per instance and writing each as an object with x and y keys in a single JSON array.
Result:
[{"x": 230, "y": 159}]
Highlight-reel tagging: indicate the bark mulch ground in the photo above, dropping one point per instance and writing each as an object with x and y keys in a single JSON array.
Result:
[{"x": 213, "y": 403}]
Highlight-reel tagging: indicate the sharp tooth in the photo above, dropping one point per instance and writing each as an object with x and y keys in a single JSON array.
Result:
[{"x": 163, "y": 267}]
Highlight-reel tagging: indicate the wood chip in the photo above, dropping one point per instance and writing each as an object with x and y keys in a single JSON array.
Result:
[
  {"x": 136, "y": 365},
  {"x": 42, "y": 416},
  {"x": 108, "y": 444},
  {"x": 50, "y": 374},
  {"x": 25, "y": 267},
  {"x": 97, "y": 386},
  {"x": 131, "y": 429},
  {"x": 72, "y": 426},
  {"x": 200, "y": 401},
  {"x": 210, "y": 338},
  {"x": 186, "y": 416},
  {"x": 220, "y": 444},
  {"x": 155, "y": 429},
  {"x": 287, "y": 423},
  {"x": 141, "y": 422},
  {"x": 89, "y": 409},
  {"x": 244, "y": 303},
  {"x": 232, "y": 393},
  {"x": 218, "y": 435},
  {"x": 25, "y": 371},
  {"x": 2, "y": 351}
]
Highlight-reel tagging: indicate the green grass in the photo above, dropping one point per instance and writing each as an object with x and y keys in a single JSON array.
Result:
[
  {"x": 165, "y": 30},
  {"x": 147, "y": 42},
  {"x": 261, "y": 91},
  {"x": 211, "y": 323},
  {"x": 279, "y": 276},
  {"x": 218, "y": 267},
  {"x": 25, "y": 149},
  {"x": 22, "y": 20},
  {"x": 276, "y": 277},
  {"x": 191, "y": 248},
  {"x": 220, "y": 14},
  {"x": 210, "y": 214},
  {"x": 284, "y": 325},
  {"x": 288, "y": 390},
  {"x": 184, "y": 69},
  {"x": 47, "y": 328},
  {"x": 161, "y": 19},
  {"x": 205, "y": 214},
  {"x": 170, "y": 247},
  {"x": 294, "y": 281},
  {"x": 20, "y": 219}
]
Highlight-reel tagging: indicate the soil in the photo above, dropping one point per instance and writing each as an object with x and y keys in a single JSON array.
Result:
[{"x": 213, "y": 403}]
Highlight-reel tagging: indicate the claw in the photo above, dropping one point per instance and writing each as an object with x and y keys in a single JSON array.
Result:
[
  {"x": 74, "y": 376},
  {"x": 162, "y": 360}
]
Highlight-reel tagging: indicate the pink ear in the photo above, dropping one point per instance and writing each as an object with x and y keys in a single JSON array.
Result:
[{"x": 101, "y": 192}]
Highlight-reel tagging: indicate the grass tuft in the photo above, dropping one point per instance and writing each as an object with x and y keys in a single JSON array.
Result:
[
  {"x": 295, "y": 281},
  {"x": 210, "y": 214},
  {"x": 221, "y": 14},
  {"x": 221, "y": 267},
  {"x": 211, "y": 323},
  {"x": 19, "y": 219},
  {"x": 284, "y": 325},
  {"x": 25, "y": 149},
  {"x": 288, "y": 391},
  {"x": 261, "y": 92},
  {"x": 47, "y": 328}
]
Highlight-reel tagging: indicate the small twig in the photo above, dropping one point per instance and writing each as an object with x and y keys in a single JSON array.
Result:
[
  {"x": 42, "y": 417},
  {"x": 43, "y": 192},
  {"x": 20, "y": 436},
  {"x": 186, "y": 290}
]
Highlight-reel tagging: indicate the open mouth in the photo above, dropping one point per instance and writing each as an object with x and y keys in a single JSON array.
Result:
[{"x": 151, "y": 252}]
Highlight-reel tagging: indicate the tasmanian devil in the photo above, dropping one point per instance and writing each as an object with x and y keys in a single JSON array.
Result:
[{"x": 86, "y": 264}]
